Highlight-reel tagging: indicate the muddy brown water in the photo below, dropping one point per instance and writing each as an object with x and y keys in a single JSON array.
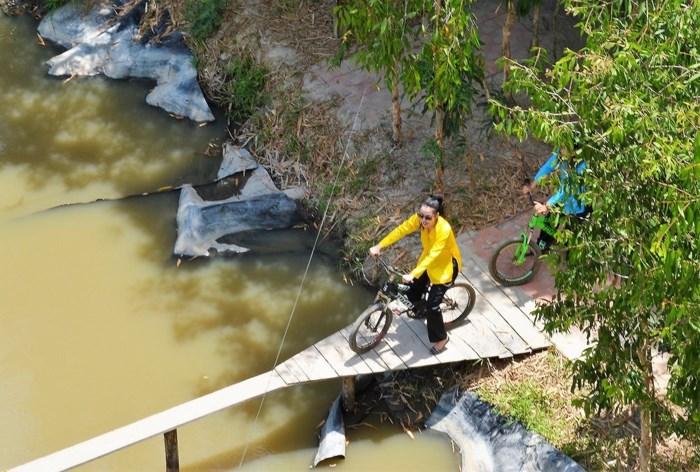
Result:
[{"x": 101, "y": 328}]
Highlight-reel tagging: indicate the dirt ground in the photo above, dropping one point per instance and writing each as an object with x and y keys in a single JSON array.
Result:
[{"x": 377, "y": 183}]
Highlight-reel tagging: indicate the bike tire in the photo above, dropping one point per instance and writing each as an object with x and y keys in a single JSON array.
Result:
[
  {"x": 370, "y": 328},
  {"x": 457, "y": 303},
  {"x": 504, "y": 269}
]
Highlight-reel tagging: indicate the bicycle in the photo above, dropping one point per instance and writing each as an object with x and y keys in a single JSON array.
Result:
[
  {"x": 516, "y": 261},
  {"x": 372, "y": 325}
]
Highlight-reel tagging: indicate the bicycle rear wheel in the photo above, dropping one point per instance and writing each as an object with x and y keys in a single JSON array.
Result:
[
  {"x": 457, "y": 303},
  {"x": 370, "y": 328},
  {"x": 505, "y": 267}
]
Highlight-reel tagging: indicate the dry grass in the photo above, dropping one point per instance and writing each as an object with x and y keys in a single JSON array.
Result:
[
  {"x": 302, "y": 144},
  {"x": 607, "y": 442}
]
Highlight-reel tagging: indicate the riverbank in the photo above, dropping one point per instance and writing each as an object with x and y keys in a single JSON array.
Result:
[
  {"x": 305, "y": 141},
  {"x": 322, "y": 125},
  {"x": 328, "y": 131}
]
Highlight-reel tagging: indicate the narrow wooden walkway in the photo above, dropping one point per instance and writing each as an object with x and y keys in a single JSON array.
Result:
[{"x": 496, "y": 328}]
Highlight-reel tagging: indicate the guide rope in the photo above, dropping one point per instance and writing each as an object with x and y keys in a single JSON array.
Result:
[{"x": 306, "y": 272}]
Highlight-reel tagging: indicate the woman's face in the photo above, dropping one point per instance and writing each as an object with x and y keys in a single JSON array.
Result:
[{"x": 427, "y": 217}]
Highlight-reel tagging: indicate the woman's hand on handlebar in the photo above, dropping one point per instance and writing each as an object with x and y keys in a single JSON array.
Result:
[
  {"x": 374, "y": 251},
  {"x": 528, "y": 188},
  {"x": 407, "y": 278},
  {"x": 541, "y": 208}
]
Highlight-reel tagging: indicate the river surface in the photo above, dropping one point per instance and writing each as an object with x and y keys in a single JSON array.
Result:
[{"x": 99, "y": 325}]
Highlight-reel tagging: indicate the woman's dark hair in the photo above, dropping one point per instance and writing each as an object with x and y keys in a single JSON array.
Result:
[{"x": 436, "y": 203}]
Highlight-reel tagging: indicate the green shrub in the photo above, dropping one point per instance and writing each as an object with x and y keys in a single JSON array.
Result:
[
  {"x": 203, "y": 16},
  {"x": 51, "y": 5},
  {"x": 245, "y": 87}
]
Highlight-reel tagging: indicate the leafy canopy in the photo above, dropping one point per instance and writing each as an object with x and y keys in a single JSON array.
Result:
[{"x": 630, "y": 100}]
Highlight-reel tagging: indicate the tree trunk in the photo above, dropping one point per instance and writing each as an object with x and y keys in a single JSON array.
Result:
[
  {"x": 439, "y": 117},
  {"x": 555, "y": 43},
  {"x": 440, "y": 138},
  {"x": 505, "y": 44},
  {"x": 396, "y": 109},
  {"x": 646, "y": 445},
  {"x": 535, "y": 40}
]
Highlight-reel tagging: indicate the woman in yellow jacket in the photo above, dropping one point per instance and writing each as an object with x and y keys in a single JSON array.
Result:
[{"x": 439, "y": 263}]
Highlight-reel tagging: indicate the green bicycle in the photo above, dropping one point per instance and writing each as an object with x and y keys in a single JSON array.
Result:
[{"x": 516, "y": 261}]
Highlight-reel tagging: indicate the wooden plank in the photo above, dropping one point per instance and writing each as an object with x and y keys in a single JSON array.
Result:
[
  {"x": 383, "y": 353},
  {"x": 294, "y": 368},
  {"x": 286, "y": 374},
  {"x": 371, "y": 358},
  {"x": 337, "y": 353},
  {"x": 505, "y": 334},
  {"x": 356, "y": 361},
  {"x": 154, "y": 425},
  {"x": 480, "y": 338},
  {"x": 314, "y": 364},
  {"x": 409, "y": 346},
  {"x": 386, "y": 352},
  {"x": 420, "y": 331},
  {"x": 522, "y": 323},
  {"x": 457, "y": 340},
  {"x": 460, "y": 350}
]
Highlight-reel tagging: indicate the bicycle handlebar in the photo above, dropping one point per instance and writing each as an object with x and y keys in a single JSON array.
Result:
[{"x": 389, "y": 268}]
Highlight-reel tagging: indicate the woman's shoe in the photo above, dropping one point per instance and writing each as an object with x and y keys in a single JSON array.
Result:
[{"x": 435, "y": 351}]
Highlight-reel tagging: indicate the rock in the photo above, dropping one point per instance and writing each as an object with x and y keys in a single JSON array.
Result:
[
  {"x": 235, "y": 160},
  {"x": 200, "y": 223},
  {"x": 259, "y": 183},
  {"x": 295, "y": 193},
  {"x": 99, "y": 42},
  {"x": 203, "y": 224},
  {"x": 491, "y": 442}
]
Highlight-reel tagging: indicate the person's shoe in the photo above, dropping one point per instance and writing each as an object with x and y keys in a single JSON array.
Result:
[{"x": 435, "y": 351}]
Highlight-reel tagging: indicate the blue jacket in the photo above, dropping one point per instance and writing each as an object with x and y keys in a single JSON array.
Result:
[{"x": 572, "y": 205}]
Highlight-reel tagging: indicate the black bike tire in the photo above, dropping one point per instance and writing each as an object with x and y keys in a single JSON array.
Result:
[
  {"x": 356, "y": 342},
  {"x": 460, "y": 320},
  {"x": 503, "y": 279}
]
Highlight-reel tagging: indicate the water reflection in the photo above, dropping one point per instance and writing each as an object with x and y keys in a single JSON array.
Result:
[
  {"x": 101, "y": 328},
  {"x": 85, "y": 138},
  {"x": 100, "y": 325}
]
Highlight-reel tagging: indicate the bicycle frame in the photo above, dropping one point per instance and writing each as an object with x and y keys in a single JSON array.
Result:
[
  {"x": 390, "y": 290},
  {"x": 537, "y": 221},
  {"x": 375, "y": 321}
]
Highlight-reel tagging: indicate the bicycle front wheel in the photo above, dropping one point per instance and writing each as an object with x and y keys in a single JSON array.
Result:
[
  {"x": 514, "y": 262},
  {"x": 370, "y": 328},
  {"x": 457, "y": 303}
]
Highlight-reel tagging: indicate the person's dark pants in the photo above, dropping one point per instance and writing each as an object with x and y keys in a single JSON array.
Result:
[
  {"x": 545, "y": 240},
  {"x": 434, "y": 321}
]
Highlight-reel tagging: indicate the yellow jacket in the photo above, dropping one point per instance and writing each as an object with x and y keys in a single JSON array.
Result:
[{"x": 439, "y": 247}]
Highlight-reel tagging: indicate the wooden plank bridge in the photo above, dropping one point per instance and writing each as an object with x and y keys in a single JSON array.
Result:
[{"x": 496, "y": 328}]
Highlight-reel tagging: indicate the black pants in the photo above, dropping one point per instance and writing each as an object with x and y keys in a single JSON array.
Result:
[
  {"x": 434, "y": 321},
  {"x": 544, "y": 241}
]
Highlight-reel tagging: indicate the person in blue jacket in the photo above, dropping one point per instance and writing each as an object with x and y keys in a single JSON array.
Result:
[{"x": 567, "y": 200}]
